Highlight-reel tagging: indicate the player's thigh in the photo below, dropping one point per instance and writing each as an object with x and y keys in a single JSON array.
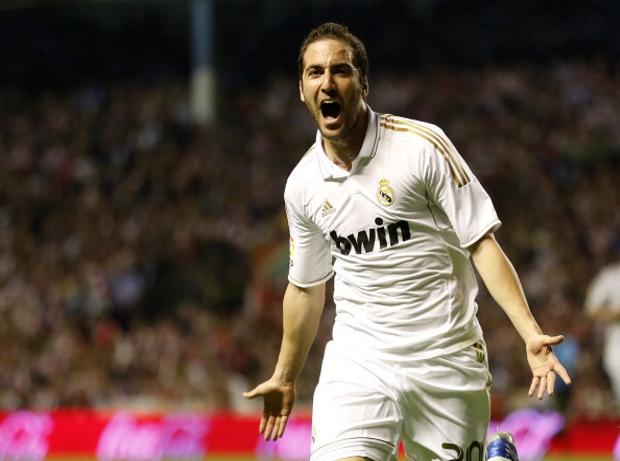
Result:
[
  {"x": 354, "y": 412},
  {"x": 447, "y": 408}
]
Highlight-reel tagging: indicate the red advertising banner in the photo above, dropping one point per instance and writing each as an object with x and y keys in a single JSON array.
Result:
[{"x": 33, "y": 436}]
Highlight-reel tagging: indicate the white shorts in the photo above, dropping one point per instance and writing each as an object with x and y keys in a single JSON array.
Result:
[{"x": 439, "y": 408}]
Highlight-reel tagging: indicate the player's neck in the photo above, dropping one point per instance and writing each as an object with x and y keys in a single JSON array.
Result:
[
  {"x": 343, "y": 152},
  {"x": 340, "y": 155}
]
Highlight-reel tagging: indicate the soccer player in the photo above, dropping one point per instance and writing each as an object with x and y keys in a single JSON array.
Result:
[
  {"x": 602, "y": 305},
  {"x": 388, "y": 205}
]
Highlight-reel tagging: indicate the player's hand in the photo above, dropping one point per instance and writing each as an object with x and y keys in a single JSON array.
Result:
[
  {"x": 544, "y": 364},
  {"x": 278, "y": 400}
]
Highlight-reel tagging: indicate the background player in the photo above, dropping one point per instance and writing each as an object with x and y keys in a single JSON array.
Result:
[{"x": 602, "y": 304}]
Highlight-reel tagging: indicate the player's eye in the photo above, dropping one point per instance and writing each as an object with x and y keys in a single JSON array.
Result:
[{"x": 343, "y": 70}]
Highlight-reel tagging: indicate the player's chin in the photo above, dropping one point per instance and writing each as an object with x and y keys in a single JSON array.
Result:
[{"x": 331, "y": 130}]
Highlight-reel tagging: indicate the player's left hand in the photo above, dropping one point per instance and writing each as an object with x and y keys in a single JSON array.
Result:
[{"x": 544, "y": 364}]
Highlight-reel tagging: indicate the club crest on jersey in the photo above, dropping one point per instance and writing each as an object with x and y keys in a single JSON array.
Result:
[{"x": 385, "y": 194}]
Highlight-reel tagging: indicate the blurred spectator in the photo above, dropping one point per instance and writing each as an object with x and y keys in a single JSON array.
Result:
[{"x": 143, "y": 259}]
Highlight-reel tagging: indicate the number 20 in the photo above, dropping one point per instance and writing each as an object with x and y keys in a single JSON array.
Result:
[{"x": 469, "y": 454}]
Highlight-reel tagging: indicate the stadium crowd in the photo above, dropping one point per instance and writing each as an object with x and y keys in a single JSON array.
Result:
[{"x": 143, "y": 259}]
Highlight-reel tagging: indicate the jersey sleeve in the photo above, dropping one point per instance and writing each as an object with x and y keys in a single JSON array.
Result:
[
  {"x": 310, "y": 253},
  {"x": 452, "y": 187}
]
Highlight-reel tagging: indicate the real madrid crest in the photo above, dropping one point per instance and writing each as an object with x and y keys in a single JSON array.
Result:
[{"x": 385, "y": 194}]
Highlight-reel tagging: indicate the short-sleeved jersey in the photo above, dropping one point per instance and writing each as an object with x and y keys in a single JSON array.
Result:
[
  {"x": 395, "y": 231},
  {"x": 604, "y": 293}
]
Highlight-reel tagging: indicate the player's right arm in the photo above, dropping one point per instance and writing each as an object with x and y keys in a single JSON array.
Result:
[
  {"x": 302, "y": 309},
  {"x": 502, "y": 281}
]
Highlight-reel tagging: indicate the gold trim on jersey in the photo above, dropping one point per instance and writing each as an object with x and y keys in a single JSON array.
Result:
[
  {"x": 312, "y": 147},
  {"x": 481, "y": 357},
  {"x": 481, "y": 353},
  {"x": 440, "y": 142}
]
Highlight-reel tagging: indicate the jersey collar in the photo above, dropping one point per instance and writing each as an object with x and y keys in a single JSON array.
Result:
[{"x": 331, "y": 171}]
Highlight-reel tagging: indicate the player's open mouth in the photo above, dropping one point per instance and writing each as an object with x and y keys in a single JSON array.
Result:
[{"x": 330, "y": 110}]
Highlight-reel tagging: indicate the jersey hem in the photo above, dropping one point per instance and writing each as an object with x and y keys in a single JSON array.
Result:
[
  {"x": 492, "y": 226},
  {"x": 299, "y": 283}
]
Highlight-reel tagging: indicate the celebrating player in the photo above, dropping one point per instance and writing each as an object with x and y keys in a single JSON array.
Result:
[{"x": 389, "y": 206}]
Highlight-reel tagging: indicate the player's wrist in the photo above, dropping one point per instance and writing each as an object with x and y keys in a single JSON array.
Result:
[{"x": 284, "y": 377}]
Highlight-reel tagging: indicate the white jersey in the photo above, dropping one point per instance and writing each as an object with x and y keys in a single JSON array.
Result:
[
  {"x": 604, "y": 292},
  {"x": 395, "y": 231}
]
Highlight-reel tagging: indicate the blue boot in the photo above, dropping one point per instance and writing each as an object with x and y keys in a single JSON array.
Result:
[{"x": 501, "y": 447}]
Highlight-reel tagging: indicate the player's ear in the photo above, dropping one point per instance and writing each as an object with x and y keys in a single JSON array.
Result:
[
  {"x": 365, "y": 87},
  {"x": 301, "y": 92}
]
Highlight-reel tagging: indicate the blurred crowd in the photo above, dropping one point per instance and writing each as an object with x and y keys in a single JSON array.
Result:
[{"x": 143, "y": 258}]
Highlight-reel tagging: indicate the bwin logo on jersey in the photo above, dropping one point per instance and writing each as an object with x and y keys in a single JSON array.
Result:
[{"x": 366, "y": 240}]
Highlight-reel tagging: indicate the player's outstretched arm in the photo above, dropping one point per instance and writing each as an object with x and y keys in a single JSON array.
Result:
[
  {"x": 502, "y": 281},
  {"x": 302, "y": 309}
]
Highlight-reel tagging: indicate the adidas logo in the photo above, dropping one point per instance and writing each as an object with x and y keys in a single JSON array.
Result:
[{"x": 327, "y": 209}]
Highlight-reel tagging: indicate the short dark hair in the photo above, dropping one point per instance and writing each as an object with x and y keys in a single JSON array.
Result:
[{"x": 332, "y": 30}]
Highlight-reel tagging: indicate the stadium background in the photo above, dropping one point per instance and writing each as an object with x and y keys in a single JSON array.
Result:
[{"x": 142, "y": 241}]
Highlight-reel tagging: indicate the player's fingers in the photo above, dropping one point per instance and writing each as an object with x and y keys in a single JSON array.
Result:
[
  {"x": 553, "y": 340},
  {"x": 542, "y": 387},
  {"x": 269, "y": 427},
  {"x": 560, "y": 370},
  {"x": 533, "y": 386},
  {"x": 550, "y": 382},
  {"x": 263, "y": 424},
  {"x": 282, "y": 425},
  {"x": 256, "y": 392}
]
